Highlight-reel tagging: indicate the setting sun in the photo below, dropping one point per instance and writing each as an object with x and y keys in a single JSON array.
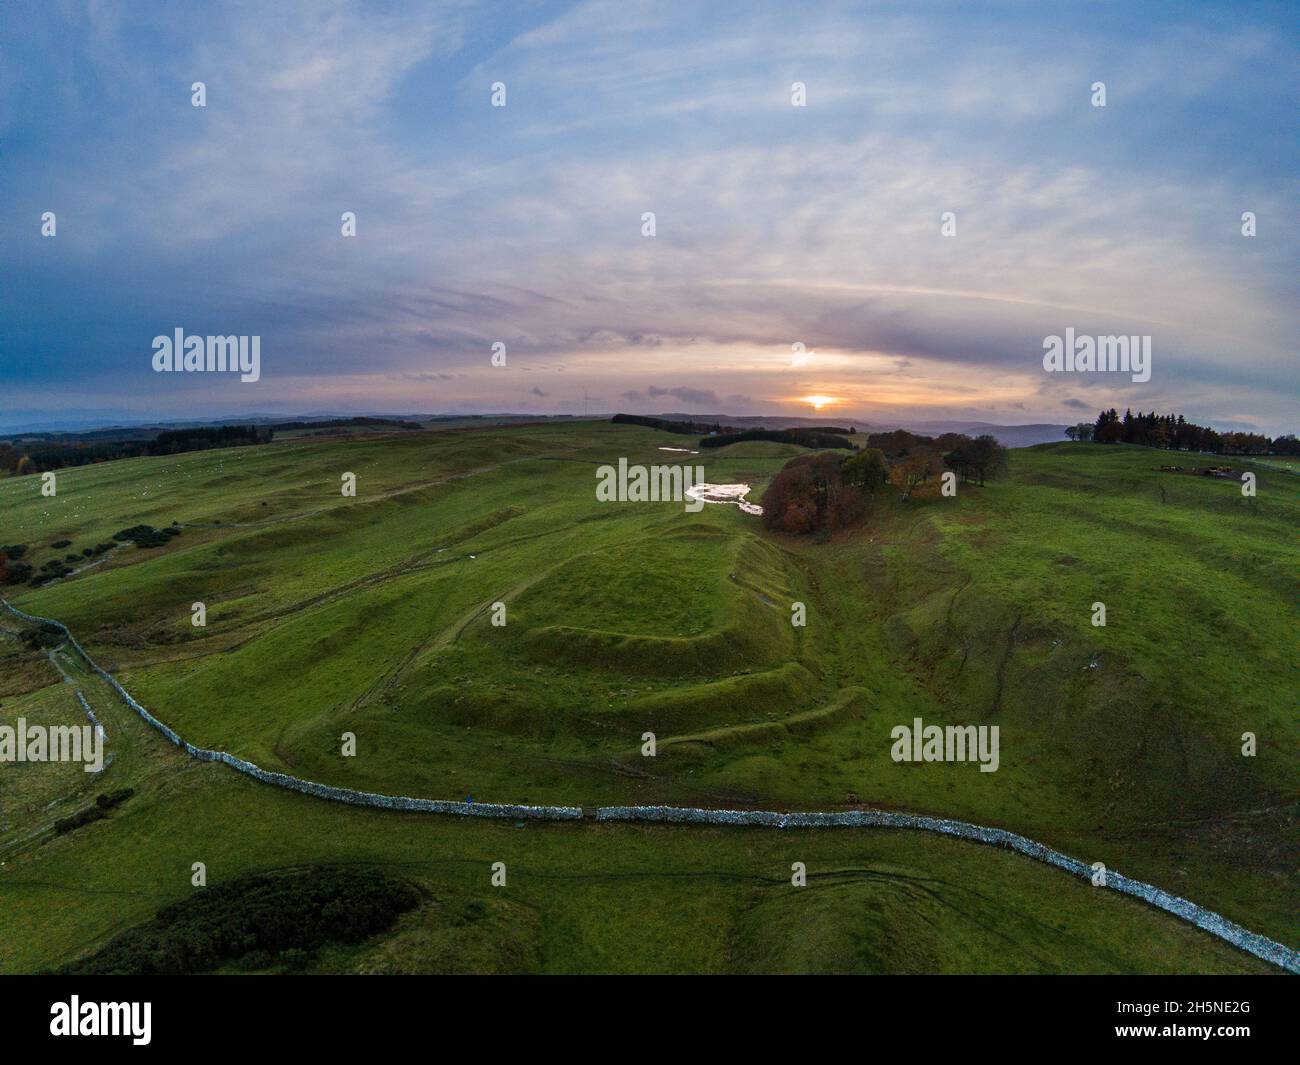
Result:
[{"x": 819, "y": 402}]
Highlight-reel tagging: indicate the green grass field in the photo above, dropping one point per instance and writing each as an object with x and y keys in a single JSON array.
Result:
[{"x": 373, "y": 615}]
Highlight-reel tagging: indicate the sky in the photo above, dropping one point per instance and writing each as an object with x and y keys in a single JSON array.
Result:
[{"x": 797, "y": 252}]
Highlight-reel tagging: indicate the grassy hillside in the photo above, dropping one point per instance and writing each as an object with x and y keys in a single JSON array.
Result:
[
  {"x": 578, "y": 898},
  {"x": 373, "y": 615}
]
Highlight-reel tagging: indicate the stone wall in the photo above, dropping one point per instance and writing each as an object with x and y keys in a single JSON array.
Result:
[
  {"x": 103, "y": 732},
  {"x": 508, "y": 811},
  {"x": 1208, "y": 920}
]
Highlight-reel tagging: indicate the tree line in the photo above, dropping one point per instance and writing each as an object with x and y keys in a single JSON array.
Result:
[
  {"x": 39, "y": 456},
  {"x": 670, "y": 426},
  {"x": 802, "y": 437},
  {"x": 1173, "y": 432},
  {"x": 718, "y": 435}
]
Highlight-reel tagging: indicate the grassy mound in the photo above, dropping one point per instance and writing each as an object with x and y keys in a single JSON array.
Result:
[
  {"x": 374, "y": 616},
  {"x": 846, "y": 704},
  {"x": 745, "y": 697}
]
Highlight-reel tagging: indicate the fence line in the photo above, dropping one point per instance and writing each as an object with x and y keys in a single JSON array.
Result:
[{"x": 1207, "y": 920}]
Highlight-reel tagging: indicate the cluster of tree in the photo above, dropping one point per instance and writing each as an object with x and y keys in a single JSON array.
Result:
[
  {"x": 257, "y": 922},
  {"x": 811, "y": 494},
  {"x": 816, "y": 438},
  {"x": 899, "y": 443},
  {"x": 38, "y": 456},
  {"x": 978, "y": 459},
  {"x": 175, "y": 441},
  {"x": 914, "y": 458},
  {"x": 973, "y": 460},
  {"x": 147, "y": 535},
  {"x": 1175, "y": 433},
  {"x": 825, "y": 492}
]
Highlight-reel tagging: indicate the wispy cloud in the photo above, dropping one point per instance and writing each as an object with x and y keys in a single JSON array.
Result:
[{"x": 775, "y": 224}]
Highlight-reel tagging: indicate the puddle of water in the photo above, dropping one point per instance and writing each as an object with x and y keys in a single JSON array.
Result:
[
  {"x": 725, "y": 493},
  {"x": 683, "y": 450}
]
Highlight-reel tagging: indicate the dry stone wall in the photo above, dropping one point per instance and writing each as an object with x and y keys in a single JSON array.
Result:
[{"x": 1208, "y": 920}]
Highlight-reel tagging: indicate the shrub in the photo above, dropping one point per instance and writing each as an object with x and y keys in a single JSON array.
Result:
[
  {"x": 147, "y": 535},
  {"x": 103, "y": 803},
  {"x": 255, "y": 919},
  {"x": 80, "y": 818},
  {"x": 15, "y": 572},
  {"x": 113, "y": 798}
]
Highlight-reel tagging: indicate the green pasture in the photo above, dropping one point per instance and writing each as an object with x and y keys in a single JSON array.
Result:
[{"x": 375, "y": 615}]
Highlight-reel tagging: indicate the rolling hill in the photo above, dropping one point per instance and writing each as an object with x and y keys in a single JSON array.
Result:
[{"x": 374, "y": 615}]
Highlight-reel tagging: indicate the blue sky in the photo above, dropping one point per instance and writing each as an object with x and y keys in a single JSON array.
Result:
[{"x": 775, "y": 224}]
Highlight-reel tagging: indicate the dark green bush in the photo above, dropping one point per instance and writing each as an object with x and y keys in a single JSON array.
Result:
[
  {"x": 147, "y": 535},
  {"x": 256, "y": 919}
]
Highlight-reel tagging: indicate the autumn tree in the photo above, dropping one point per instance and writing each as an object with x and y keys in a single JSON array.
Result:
[
  {"x": 911, "y": 471},
  {"x": 810, "y": 494}
]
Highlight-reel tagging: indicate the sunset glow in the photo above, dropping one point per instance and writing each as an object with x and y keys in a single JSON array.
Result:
[{"x": 818, "y": 402}]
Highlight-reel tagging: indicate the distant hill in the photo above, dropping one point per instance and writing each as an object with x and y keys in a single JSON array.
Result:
[
  {"x": 88, "y": 427},
  {"x": 1006, "y": 435}
]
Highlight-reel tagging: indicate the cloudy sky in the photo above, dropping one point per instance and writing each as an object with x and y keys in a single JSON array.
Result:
[{"x": 775, "y": 225}]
